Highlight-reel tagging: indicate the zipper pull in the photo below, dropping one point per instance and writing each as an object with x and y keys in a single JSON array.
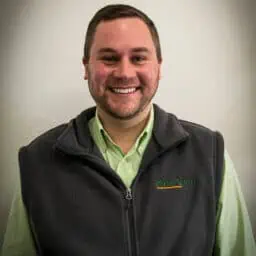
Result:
[{"x": 128, "y": 195}]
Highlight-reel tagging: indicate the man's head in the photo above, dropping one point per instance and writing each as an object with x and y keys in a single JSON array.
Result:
[
  {"x": 122, "y": 60},
  {"x": 112, "y": 12}
]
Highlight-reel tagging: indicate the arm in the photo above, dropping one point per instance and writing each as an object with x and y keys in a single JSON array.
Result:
[
  {"x": 18, "y": 239},
  {"x": 234, "y": 236}
]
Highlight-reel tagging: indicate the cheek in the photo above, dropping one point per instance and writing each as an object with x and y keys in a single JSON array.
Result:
[
  {"x": 149, "y": 75},
  {"x": 99, "y": 75}
]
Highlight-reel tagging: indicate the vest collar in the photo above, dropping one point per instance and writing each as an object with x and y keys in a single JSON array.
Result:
[
  {"x": 76, "y": 138},
  {"x": 167, "y": 129}
]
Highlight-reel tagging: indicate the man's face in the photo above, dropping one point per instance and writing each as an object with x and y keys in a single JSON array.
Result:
[{"x": 123, "y": 71}]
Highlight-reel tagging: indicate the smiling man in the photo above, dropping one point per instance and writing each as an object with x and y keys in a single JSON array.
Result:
[
  {"x": 123, "y": 69},
  {"x": 116, "y": 180}
]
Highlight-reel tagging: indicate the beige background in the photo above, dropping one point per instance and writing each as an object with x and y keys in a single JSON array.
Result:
[{"x": 208, "y": 74}]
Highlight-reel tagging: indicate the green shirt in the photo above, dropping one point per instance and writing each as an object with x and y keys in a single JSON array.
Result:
[{"x": 234, "y": 232}]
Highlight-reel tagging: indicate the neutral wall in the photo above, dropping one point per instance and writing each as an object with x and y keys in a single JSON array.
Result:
[{"x": 208, "y": 74}]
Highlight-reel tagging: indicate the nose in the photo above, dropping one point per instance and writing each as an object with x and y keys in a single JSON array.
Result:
[{"x": 124, "y": 69}]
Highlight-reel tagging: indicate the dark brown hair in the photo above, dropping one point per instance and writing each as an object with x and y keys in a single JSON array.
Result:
[{"x": 116, "y": 11}]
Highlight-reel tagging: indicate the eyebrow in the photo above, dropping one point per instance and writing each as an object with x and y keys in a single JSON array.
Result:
[
  {"x": 111, "y": 50},
  {"x": 141, "y": 49},
  {"x": 106, "y": 50}
]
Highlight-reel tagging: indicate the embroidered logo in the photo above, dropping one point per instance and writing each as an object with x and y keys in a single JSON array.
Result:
[{"x": 177, "y": 183}]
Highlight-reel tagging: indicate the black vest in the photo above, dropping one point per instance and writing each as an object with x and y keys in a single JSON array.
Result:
[{"x": 78, "y": 206}]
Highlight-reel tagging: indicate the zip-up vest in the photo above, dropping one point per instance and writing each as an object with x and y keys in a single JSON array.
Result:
[{"x": 78, "y": 206}]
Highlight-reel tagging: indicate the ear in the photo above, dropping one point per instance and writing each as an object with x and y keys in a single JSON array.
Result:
[
  {"x": 85, "y": 63},
  {"x": 160, "y": 69}
]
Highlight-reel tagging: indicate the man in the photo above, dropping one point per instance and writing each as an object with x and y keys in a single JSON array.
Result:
[{"x": 125, "y": 177}]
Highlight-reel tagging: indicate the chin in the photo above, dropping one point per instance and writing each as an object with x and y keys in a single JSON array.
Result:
[{"x": 123, "y": 115}]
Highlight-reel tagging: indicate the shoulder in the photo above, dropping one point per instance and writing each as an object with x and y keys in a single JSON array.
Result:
[
  {"x": 171, "y": 122},
  {"x": 195, "y": 129},
  {"x": 202, "y": 135},
  {"x": 166, "y": 119},
  {"x": 167, "y": 125},
  {"x": 69, "y": 133},
  {"x": 43, "y": 144},
  {"x": 48, "y": 137}
]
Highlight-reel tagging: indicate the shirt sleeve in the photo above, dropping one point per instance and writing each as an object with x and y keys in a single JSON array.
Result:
[
  {"x": 18, "y": 239},
  {"x": 234, "y": 236}
]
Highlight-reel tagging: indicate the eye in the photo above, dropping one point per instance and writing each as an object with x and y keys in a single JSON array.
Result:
[
  {"x": 109, "y": 60},
  {"x": 139, "y": 59}
]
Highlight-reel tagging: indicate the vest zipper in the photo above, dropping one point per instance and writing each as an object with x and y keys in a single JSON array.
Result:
[
  {"x": 129, "y": 215},
  {"x": 130, "y": 223}
]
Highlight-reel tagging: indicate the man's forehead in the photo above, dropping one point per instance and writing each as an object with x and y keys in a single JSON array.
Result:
[
  {"x": 134, "y": 50},
  {"x": 121, "y": 33},
  {"x": 122, "y": 26},
  {"x": 122, "y": 22}
]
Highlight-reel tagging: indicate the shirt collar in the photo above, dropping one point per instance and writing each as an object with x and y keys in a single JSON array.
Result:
[{"x": 141, "y": 141}]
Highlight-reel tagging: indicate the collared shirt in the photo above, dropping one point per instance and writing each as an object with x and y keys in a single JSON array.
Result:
[
  {"x": 234, "y": 235},
  {"x": 125, "y": 165}
]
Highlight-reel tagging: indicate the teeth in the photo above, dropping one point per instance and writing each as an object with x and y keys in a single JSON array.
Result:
[{"x": 129, "y": 90}]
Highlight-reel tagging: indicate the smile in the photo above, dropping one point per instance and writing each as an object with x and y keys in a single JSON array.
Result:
[{"x": 124, "y": 91}]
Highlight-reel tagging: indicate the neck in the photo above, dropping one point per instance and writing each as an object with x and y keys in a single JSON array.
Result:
[{"x": 124, "y": 132}]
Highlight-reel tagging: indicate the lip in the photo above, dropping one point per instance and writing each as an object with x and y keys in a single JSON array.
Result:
[
  {"x": 125, "y": 94},
  {"x": 122, "y": 87}
]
